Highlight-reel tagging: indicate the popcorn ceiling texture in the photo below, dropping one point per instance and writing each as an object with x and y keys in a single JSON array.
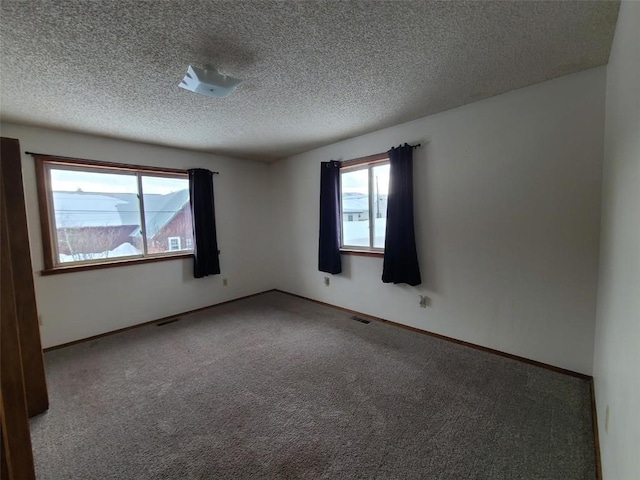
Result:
[{"x": 315, "y": 72}]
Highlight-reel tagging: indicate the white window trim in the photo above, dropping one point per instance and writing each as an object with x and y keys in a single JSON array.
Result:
[{"x": 170, "y": 239}]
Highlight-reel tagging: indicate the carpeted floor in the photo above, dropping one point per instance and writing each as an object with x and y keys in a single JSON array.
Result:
[{"x": 278, "y": 387}]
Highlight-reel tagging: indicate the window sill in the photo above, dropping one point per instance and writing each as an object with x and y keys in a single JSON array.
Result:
[
  {"x": 116, "y": 263},
  {"x": 362, "y": 253}
]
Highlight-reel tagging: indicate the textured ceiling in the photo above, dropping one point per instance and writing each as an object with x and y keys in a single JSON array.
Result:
[{"x": 315, "y": 71}]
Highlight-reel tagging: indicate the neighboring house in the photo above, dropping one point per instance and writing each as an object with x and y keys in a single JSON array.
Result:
[
  {"x": 355, "y": 207},
  {"x": 91, "y": 225},
  {"x": 168, "y": 220}
]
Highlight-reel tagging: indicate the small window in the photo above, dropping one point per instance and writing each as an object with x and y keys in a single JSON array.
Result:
[
  {"x": 174, "y": 244},
  {"x": 99, "y": 213},
  {"x": 364, "y": 191}
]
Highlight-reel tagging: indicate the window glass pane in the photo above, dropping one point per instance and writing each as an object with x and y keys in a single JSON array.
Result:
[
  {"x": 355, "y": 207},
  {"x": 167, "y": 214},
  {"x": 96, "y": 215},
  {"x": 380, "y": 196}
]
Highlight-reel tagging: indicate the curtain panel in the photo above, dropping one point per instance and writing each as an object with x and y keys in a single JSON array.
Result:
[
  {"x": 205, "y": 243},
  {"x": 400, "y": 254},
  {"x": 329, "y": 245}
]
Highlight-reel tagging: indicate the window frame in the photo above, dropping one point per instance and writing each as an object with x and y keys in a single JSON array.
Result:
[
  {"x": 169, "y": 239},
  {"x": 47, "y": 214},
  {"x": 360, "y": 164}
]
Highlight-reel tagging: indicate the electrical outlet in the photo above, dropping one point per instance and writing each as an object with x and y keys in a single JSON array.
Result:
[
  {"x": 606, "y": 420},
  {"x": 327, "y": 281},
  {"x": 424, "y": 301},
  {"x": 225, "y": 282}
]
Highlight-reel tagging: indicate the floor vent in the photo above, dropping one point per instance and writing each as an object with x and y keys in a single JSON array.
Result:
[
  {"x": 167, "y": 322},
  {"x": 360, "y": 319}
]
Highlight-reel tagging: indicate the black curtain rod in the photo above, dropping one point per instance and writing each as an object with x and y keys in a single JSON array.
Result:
[
  {"x": 407, "y": 145},
  {"x": 71, "y": 158}
]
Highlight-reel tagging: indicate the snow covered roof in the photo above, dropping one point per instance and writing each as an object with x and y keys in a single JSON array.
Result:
[
  {"x": 359, "y": 202},
  {"x": 87, "y": 209},
  {"x": 355, "y": 202},
  {"x": 79, "y": 209},
  {"x": 160, "y": 209}
]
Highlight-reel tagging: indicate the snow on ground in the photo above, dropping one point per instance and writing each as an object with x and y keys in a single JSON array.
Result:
[
  {"x": 357, "y": 233},
  {"x": 123, "y": 250}
]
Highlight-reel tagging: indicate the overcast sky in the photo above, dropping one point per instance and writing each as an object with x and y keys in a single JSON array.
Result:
[
  {"x": 357, "y": 181},
  {"x": 72, "y": 181},
  {"x": 63, "y": 180}
]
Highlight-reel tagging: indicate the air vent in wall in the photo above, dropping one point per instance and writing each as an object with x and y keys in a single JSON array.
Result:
[
  {"x": 167, "y": 322},
  {"x": 360, "y": 319}
]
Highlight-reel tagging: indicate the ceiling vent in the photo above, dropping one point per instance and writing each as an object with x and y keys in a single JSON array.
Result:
[{"x": 209, "y": 82}]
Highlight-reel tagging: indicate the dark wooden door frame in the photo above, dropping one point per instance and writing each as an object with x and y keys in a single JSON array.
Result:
[
  {"x": 23, "y": 389},
  {"x": 24, "y": 291},
  {"x": 17, "y": 456}
]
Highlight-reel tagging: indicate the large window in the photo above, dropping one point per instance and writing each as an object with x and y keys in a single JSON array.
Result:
[
  {"x": 98, "y": 213},
  {"x": 364, "y": 189}
]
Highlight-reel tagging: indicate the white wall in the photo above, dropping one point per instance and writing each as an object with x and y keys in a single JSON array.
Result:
[
  {"x": 617, "y": 343},
  {"x": 507, "y": 215},
  {"x": 507, "y": 194},
  {"x": 81, "y": 304}
]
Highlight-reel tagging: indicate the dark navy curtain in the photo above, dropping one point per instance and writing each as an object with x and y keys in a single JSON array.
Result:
[
  {"x": 205, "y": 244},
  {"x": 329, "y": 248},
  {"x": 400, "y": 255}
]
